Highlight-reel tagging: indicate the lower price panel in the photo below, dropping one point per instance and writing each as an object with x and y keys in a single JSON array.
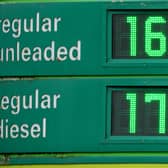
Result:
[{"x": 75, "y": 115}]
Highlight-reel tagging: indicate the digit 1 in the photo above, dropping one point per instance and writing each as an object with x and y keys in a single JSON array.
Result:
[
  {"x": 162, "y": 108},
  {"x": 132, "y": 20},
  {"x": 132, "y": 120}
]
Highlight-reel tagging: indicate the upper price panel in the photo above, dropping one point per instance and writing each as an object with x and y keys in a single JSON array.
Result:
[{"x": 83, "y": 38}]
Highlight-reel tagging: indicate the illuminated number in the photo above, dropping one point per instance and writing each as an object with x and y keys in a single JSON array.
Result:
[
  {"x": 133, "y": 30},
  {"x": 132, "y": 123},
  {"x": 162, "y": 108},
  {"x": 149, "y": 36}
]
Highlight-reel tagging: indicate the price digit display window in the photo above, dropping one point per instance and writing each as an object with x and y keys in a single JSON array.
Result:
[
  {"x": 140, "y": 111},
  {"x": 140, "y": 35}
]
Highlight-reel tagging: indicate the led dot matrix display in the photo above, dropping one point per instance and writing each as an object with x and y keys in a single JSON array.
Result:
[
  {"x": 139, "y": 112},
  {"x": 139, "y": 36}
]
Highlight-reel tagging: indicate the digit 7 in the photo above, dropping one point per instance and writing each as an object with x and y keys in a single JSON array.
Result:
[{"x": 149, "y": 97}]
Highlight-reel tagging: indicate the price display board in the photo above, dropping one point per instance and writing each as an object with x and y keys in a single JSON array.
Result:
[{"x": 137, "y": 114}]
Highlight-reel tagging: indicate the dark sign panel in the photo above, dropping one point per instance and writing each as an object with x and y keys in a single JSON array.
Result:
[
  {"x": 140, "y": 35},
  {"x": 139, "y": 111}
]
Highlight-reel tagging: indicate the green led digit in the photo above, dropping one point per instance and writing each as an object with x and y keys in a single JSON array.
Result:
[
  {"x": 132, "y": 20},
  {"x": 162, "y": 108},
  {"x": 132, "y": 122},
  {"x": 149, "y": 36}
]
